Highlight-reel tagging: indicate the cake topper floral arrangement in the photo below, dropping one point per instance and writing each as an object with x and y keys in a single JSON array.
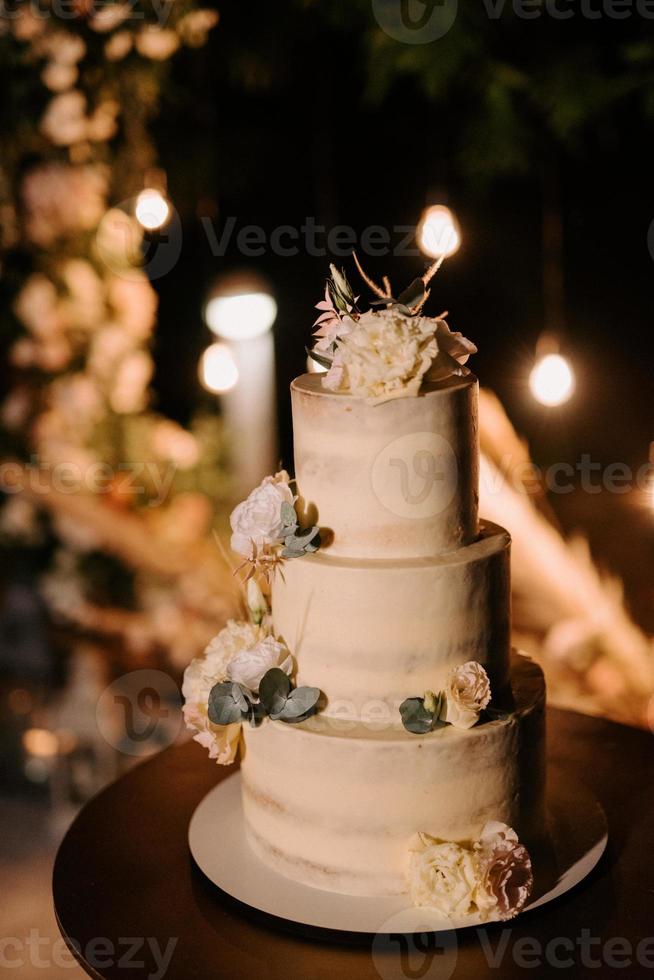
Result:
[
  {"x": 243, "y": 675},
  {"x": 387, "y": 352}
]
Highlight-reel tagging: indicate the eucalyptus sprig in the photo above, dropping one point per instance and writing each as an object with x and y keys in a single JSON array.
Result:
[
  {"x": 231, "y": 703},
  {"x": 297, "y": 541},
  {"x": 420, "y": 715}
]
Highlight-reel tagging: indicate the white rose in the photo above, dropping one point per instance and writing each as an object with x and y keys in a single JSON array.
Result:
[
  {"x": 249, "y": 666},
  {"x": 201, "y": 675},
  {"x": 443, "y": 876},
  {"x": 384, "y": 357},
  {"x": 257, "y": 520},
  {"x": 467, "y": 693}
]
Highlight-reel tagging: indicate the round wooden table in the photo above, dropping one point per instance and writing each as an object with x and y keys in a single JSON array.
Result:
[{"x": 130, "y": 902}]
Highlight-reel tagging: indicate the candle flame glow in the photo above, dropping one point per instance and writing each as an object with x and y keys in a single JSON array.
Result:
[{"x": 552, "y": 380}]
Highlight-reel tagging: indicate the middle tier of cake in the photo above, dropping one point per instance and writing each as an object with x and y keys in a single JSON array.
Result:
[{"x": 371, "y": 633}]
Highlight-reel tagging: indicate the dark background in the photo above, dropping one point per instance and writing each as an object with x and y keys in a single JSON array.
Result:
[{"x": 295, "y": 113}]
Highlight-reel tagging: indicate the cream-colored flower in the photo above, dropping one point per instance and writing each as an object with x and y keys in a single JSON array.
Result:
[
  {"x": 506, "y": 877},
  {"x": 102, "y": 123},
  {"x": 249, "y": 666},
  {"x": 84, "y": 306},
  {"x": 467, "y": 693},
  {"x": 173, "y": 443},
  {"x": 109, "y": 16},
  {"x": 443, "y": 876},
  {"x": 157, "y": 43},
  {"x": 453, "y": 352},
  {"x": 130, "y": 385},
  {"x": 134, "y": 302},
  {"x": 194, "y": 27},
  {"x": 63, "y": 200},
  {"x": 257, "y": 521},
  {"x": 58, "y": 77},
  {"x": 64, "y": 120},
  {"x": 257, "y": 604},
  {"x": 388, "y": 354},
  {"x": 118, "y": 46},
  {"x": 385, "y": 357},
  {"x": 206, "y": 671},
  {"x": 37, "y": 306}
]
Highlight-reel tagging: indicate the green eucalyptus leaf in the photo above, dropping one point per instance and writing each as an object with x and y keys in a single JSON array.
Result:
[
  {"x": 299, "y": 702},
  {"x": 415, "y": 717},
  {"x": 227, "y": 703},
  {"x": 321, "y": 359},
  {"x": 256, "y": 713},
  {"x": 413, "y": 295},
  {"x": 274, "y": 690},
  {"x": 288, "y": 514}
]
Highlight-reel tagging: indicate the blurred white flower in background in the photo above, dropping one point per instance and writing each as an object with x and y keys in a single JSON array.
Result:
[
  {"x": 157, "y": 43},
  {"x": 63, "y": 200},
  {"x": 64, "y": 120},
  {"x": 118, "y": 46},
  {"x": 130, "y": 386}
]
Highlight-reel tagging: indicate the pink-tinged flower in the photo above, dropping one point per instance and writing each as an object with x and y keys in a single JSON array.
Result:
[
  {"x": 506, "y": 874},
  {"x": 63, "y": 200}
]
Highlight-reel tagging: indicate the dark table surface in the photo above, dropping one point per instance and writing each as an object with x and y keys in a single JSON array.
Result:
[{"x": 132, "y": 904}]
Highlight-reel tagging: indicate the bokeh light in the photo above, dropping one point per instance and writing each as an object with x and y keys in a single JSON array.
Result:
[
  {"x": 218, "y": 370},
  {"x": 242, "y": 316},
  {"x": 552, "y": 380},
  {"x": 152, "y": 210},
  {"x": 439, "y": 233}
]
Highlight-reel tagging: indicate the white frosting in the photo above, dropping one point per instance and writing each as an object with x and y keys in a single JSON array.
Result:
[
  {"x": 336, "y": 806},
  {"x": 372, "y": 633},
  {"x": 397, "y": 480}
]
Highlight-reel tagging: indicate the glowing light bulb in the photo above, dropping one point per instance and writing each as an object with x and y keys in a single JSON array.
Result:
[
  {"x": 439, "y": 233},
  {"x": 218, "y": 371},
  {"x": 241, "y": 317},
  {"x": 40, "y": 742},
  {"x": 152, "y": 210},
  {"x": 552, "y": 381}
]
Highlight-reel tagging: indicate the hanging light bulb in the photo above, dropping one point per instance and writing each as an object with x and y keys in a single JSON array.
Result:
[
  {"x": 218, "y": 370},
  {"x": 152, "y": 209},
  {"x": 552, "y": 380},
  {"x": 242, "y": 316},
  {"x": 439, "y": 232}
]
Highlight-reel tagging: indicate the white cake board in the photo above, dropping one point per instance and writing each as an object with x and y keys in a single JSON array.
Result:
[{"x": 219, "y": 847}]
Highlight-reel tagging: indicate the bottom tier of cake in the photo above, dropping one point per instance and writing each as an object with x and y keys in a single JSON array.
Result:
[{"x": 337, "y": 805}]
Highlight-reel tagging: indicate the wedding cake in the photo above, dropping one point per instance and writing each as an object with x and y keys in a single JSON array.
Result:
[{"x": 392, "y": 741}]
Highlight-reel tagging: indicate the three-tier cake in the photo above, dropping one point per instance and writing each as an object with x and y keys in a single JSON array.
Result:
[{"x": 393, "y": 742}]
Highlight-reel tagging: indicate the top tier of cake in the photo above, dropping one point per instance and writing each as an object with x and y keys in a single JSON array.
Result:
[{"x": 396, "y": 480}]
